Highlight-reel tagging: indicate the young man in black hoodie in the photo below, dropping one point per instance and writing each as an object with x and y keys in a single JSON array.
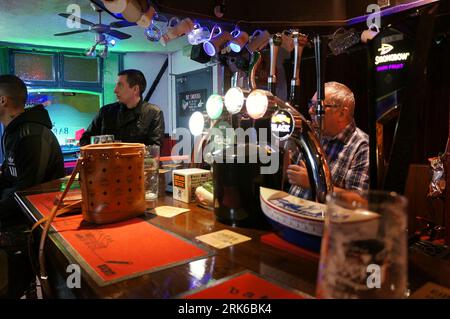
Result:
[{"x": 32, "y": 156}]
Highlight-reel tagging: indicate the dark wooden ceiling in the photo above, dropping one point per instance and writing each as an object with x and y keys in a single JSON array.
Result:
[{"x": 280, "y": 12}]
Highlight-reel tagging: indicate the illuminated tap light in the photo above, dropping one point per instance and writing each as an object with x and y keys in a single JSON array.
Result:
[
  {"x": 196, "y": 123},
  {"x": 214, "y": 106},
  {"x": 234, "y": 100},
  {"x": 257, "y": 103}
]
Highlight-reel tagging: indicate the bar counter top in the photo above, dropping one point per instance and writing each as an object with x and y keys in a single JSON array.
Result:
[{"x": 281, "y": 266}]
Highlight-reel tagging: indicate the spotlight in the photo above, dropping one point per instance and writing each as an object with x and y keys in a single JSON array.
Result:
[
  {"x": 257, "y": 103},
  {"x": 214, "y": 106},
  {"x": 234, "y": 100},
  {"x": 112, "y": 42},
  {"x": 196, "y": 123}
]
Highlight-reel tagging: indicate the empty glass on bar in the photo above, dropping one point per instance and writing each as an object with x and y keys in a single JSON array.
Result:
[{"x": 151, "y": 172}]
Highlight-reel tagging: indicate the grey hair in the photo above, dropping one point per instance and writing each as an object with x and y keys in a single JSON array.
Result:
[{"x": 340, "y": 95}]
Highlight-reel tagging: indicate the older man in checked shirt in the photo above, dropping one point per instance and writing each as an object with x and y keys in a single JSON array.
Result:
[{"x": 346, "y": 146}]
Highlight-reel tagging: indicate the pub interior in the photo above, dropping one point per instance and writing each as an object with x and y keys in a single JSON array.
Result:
[{"x": 276, "y": 150}]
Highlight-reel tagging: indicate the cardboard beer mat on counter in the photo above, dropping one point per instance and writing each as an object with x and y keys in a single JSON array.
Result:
[
  {"x": 223, "y": 238},
  {"x": 276, "y": 241},
  {"x": 431, "y": 291},
  {"x": 168, "y": 211},
  {"x": 119, "y": 251},
  {"x": 245, "y": 285}
]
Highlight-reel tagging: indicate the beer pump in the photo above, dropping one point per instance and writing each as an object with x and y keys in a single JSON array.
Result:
[
  {"x": 320, "y": 84},
  {"x": 275, "y": 43},
  {"x": 300, "y": 40}
]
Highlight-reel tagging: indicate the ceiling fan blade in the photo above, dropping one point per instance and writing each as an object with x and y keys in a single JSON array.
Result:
[
  {"x": 99, "y": 4},
  {"x": 122, "y": 24},
  {"x": 118, "y": 34},
  {"x": 71, "y": 32},
  {"x": 82, "y": 21}
]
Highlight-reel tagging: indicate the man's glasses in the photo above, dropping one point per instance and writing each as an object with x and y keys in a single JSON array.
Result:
[{"x": 312, "y": 103}]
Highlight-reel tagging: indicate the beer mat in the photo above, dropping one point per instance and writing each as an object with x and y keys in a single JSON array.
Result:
[
  {"x": 431, "y": 291},
  {"x": 223, "y": 238},
  {"x": 276, "y": 241},
  {"x": 119, "y": 251},
  {"x": 245, "y": 285},
  {"x": 168, "y": 211}
]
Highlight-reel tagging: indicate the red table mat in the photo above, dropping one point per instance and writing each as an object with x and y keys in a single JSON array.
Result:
[
  {"x": 245, "y": 286},
  {"x": 276, "y": 241},
  {"x": 118, "y": 251}
]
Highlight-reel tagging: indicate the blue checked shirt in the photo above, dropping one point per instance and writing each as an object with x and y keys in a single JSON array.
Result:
[{"x": 348, "y": 158}]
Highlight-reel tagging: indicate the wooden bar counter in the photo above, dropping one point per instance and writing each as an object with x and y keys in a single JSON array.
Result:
[{"x": 281, "y": 266}]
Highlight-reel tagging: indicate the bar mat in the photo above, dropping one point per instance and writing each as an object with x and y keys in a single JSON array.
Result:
[
  {"x": 276, "y": 241},
  {"x": 119, "y": 251},
  {"x": 245, "y": 285}
]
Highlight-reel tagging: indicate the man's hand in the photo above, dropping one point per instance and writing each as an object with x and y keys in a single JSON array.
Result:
[{"x": 298, "y": 175}]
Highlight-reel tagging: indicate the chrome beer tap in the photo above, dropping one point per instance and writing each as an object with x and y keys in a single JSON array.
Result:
[
  {"x": 304, "y": 137},
  {"x": 300, "y": 40},
  {"x": 320, "y": 111},
  {"x": 275, "y": 43}
]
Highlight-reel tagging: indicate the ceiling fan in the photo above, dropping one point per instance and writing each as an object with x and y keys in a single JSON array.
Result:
[
  {"x": 99, "y": 27},
  {"x": 101, "y": 30}
]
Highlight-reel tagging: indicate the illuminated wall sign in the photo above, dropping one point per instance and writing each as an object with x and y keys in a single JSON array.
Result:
[
  {"x": 395, "y": 57},
  {"x": 393, "y": 52},
  {"x": 282, "y": 124}
]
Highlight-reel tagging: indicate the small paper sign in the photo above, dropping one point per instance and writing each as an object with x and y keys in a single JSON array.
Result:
[
  {"x": 223, "y": 238},
  {"x": 169, "y": 211}
]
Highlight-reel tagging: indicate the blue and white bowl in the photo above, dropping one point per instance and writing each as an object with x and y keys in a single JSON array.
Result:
[{"x": 296, "y": 220}]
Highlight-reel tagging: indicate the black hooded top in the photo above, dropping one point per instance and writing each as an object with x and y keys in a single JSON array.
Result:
[{"x": 32, "y": 156}]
